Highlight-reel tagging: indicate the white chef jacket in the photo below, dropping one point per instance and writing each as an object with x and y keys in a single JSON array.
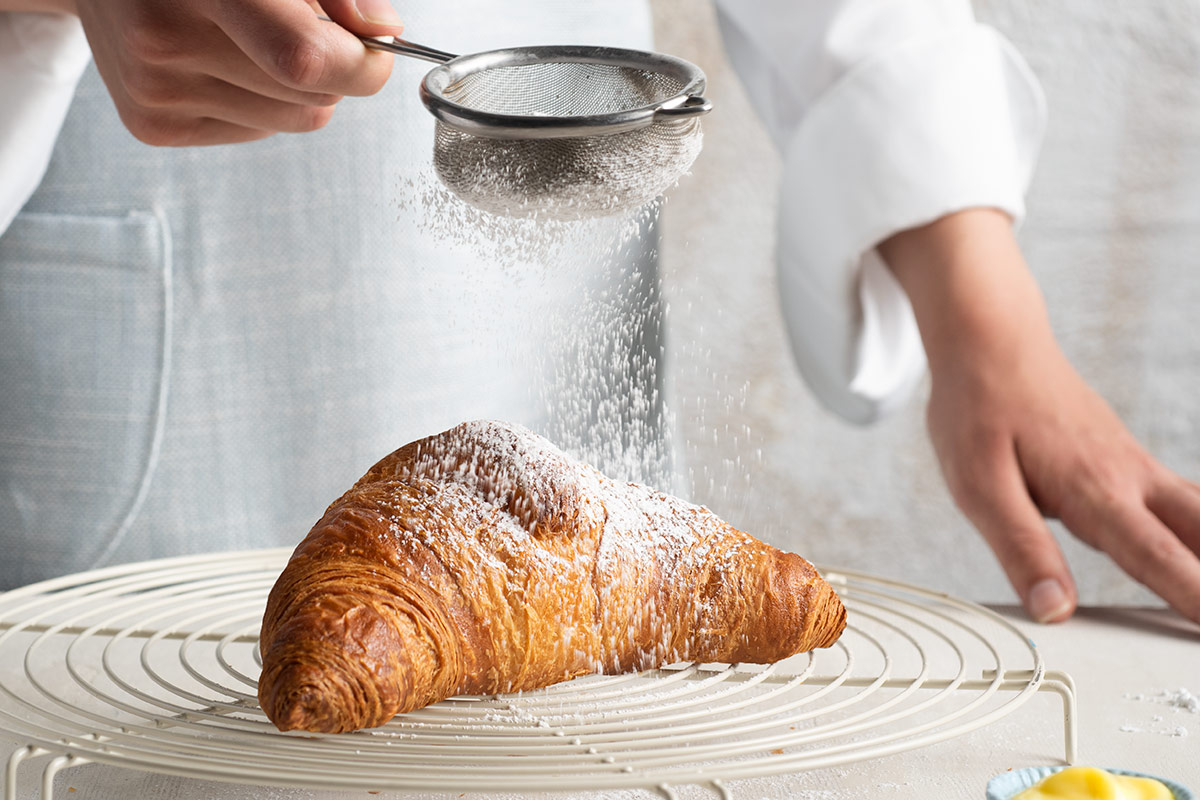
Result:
[{"x": 888, "y": 114}]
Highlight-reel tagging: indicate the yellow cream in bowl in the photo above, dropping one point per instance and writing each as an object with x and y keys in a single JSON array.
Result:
[{"x": 1089, "y": 783}]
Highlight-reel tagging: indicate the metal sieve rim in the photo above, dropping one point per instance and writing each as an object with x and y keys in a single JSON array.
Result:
[{"x": 689, "y": 101}]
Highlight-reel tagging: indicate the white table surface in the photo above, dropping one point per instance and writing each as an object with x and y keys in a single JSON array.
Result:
[{"x": 1126, "y": 663}]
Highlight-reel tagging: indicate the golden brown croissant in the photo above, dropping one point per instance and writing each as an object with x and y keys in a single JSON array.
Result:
[{"x": 484, "y": 560}]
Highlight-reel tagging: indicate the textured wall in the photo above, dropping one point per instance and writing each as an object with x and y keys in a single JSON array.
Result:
[{"x": 1112, "y": 235}]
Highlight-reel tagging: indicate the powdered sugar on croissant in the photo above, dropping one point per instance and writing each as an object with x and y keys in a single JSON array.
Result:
[{"x": 485, "y": 560}]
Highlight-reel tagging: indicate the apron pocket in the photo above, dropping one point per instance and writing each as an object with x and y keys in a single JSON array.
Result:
[{"x": 85, "y": 317}]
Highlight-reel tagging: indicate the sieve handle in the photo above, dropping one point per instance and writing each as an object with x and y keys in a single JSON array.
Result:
[
  {"x": 404, "y": 48},
  {"x": 410, "y": 49}
]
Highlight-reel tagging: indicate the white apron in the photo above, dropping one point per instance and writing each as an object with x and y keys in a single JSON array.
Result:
[{"x": 201, "y": 348}]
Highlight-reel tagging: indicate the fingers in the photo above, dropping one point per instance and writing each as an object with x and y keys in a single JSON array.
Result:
[
  {"x": 190, "y": 73},
  {"x": 1145, "y": 548},
  {"x": 301, "y": 51},
  {"x": 206, "y": 97},
  {"x": 994, "y": 497},
  {"x": 173, "y": 131},
  {"x": 226, "y": 61},
  {"x": 1176, "y": 502},
  {"x": 364, "y": 17}
]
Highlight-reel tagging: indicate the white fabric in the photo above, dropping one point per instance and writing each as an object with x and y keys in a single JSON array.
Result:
[
  {"x": 41, "y": 59},
  {"x": 889, "y": 115}
]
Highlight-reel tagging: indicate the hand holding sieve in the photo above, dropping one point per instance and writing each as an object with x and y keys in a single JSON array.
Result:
[{"x": 560, "y": 131}]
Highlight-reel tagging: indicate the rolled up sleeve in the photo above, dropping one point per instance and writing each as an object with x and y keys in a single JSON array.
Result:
[
  {"x": 916, "y": 111},
  {"x": 42, "y": 57}
]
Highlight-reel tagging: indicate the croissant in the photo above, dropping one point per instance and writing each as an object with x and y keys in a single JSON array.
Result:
[{"x": 484, "y": 560}]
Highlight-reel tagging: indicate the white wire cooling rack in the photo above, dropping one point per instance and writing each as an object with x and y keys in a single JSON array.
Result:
[{"x": 153, "y": 667}]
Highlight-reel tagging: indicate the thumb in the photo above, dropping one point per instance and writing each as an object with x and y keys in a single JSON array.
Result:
[
  {"x": 1009, "y": 520},
  {"x": 364, "y": 17}
]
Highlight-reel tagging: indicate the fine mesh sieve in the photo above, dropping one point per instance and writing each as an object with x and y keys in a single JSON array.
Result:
[{"x": 564, "y": 132}]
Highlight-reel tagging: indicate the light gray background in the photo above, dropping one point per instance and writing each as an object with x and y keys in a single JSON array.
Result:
[{"x": 1111, "y": 234}]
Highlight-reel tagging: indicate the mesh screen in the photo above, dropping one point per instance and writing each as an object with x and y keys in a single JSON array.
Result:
[
  {"x": 567, "y": 178},
  {"x": 571, "y": 177},
  {"x": 566, "y": 89}
]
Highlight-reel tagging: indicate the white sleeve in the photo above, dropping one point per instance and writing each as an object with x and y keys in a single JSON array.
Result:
[
  {"x": 42, "y": 57},
  {"x": 889, "y": 114}
]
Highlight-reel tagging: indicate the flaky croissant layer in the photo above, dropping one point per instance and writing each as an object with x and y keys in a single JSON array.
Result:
[{"x": 484, "y": 560}]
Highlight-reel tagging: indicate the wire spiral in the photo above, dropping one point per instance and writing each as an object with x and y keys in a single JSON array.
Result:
[{"x": 153, "y": 666}]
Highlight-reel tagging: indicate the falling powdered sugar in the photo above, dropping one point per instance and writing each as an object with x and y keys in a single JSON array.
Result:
[
  {"x": 517, "y": 245},
  {"x": 592, "y": 342}
]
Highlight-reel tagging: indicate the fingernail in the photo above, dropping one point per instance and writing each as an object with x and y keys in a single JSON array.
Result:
[
  {"x": 377, "y": 12},
  {"x": 1047, "y": 600}
]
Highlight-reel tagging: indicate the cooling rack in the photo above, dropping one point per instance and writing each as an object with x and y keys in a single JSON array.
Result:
[{"x": 153, "y": 667}]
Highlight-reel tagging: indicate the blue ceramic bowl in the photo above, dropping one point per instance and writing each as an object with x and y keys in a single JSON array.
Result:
[{"x": 1007, "y": 784}]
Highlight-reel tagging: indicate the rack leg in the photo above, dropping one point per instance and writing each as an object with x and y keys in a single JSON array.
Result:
[
  {"x": 14, "y": 764},
  {"x": 1064, "y": 686},
  {"x": 52, "y": 769},
  {"x": 48, "y": 776}
]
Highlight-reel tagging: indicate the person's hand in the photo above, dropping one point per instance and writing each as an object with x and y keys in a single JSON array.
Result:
[
  {"x": 1020, "y": 435},
  {"x": 198, "y": 72}
]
